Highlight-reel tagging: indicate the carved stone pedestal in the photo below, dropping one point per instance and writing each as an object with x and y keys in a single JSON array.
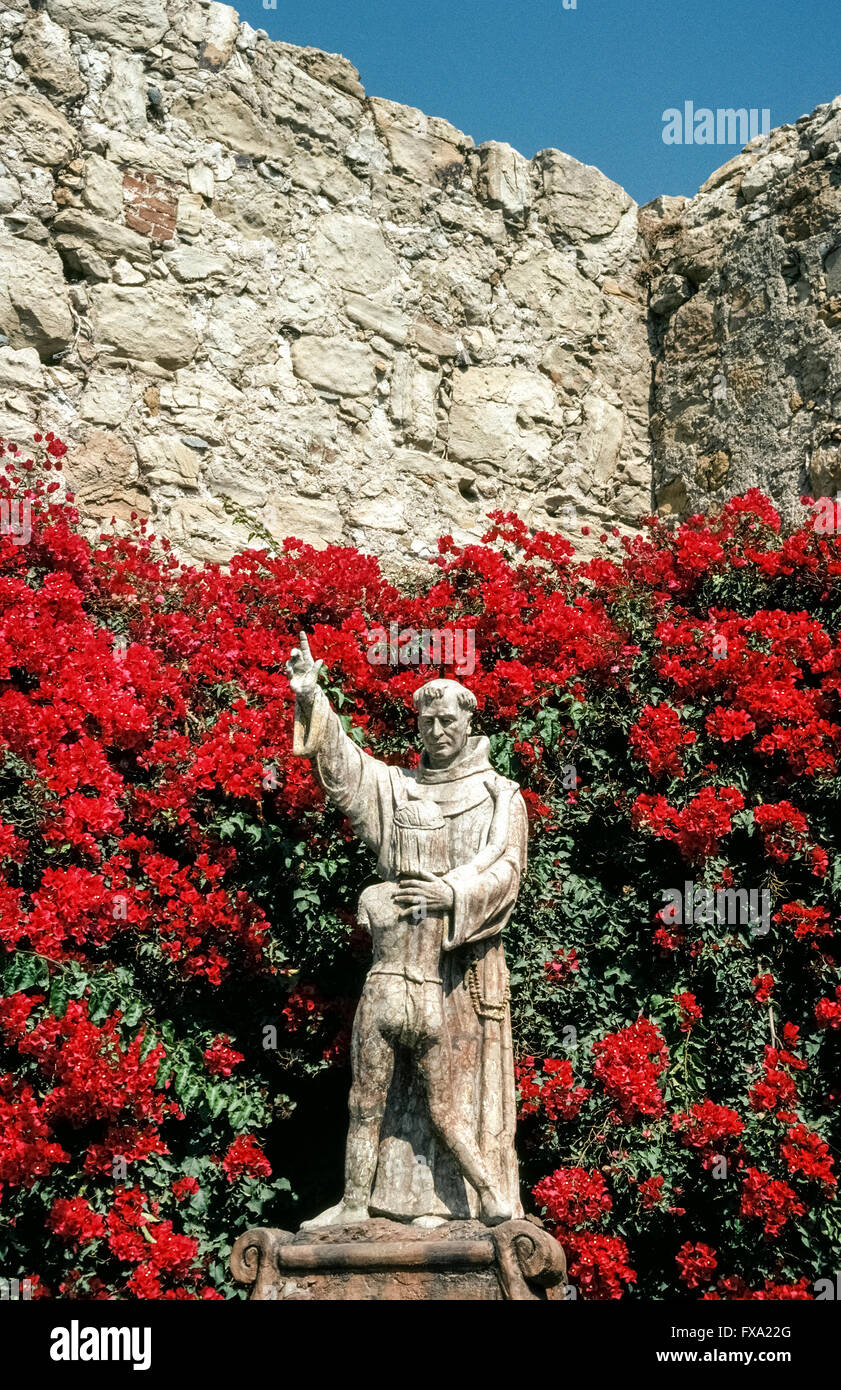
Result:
[{"x": 384, "y": 1260}]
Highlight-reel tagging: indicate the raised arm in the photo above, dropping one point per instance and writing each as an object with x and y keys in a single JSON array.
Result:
[{"x": 360, "y": 785}]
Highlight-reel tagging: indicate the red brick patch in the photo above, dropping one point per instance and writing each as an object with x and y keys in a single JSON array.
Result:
[{"x": 151, "y": 204}]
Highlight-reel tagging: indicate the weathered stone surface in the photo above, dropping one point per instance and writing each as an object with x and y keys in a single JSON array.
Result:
[
  {"x": 578, "y": 200},
  {"x": 323, "y": 275},
  {"x": 44, "y": 50},
  {"x": 203, "y": 529},
  {"x": 31, "y": 125},
  {"x": 748, "y": 369},
  {"x": 225, "y": 116},
  {"x": 190, "y": 264},
  {"x": 135, "y": 23},
  {"x": 123, "y": 273},
  {"x": 668, "y": 292},
  {"x": 605, "y": 429},
  {"x": 504, "y": 179},
  {"x": 10, "y": 194},
  {"x": 263, "y": 261},
  {"x": 825, "y": 465},
  {"x": 103, "y": 475},
  {"x": 143, "y": 324},
  {"x": 352, "y": 251},
  {"x": 334, "y": 365},
  {"x": 109, "y": 238},
  {"x": 413, "y": 403},
  {"x": 317, "y": 521},
  {"x": 380, "y": 514},
  {"x": 496, "y": 413},
  {"x": 21, "y": 368},
  {"x": 549, "y": 283},
  {"x": 425, "y": 147},
  {"x": 167, "y": 462},
  {"x": 377, "y": 318},
  {"x": 34, "y": 303},
  {"x": 124, "y": 101},
  {"x": 240, "y": 333},
  {"x": 219, "y": 37},
  {"x": 108, "y": 398},
  {"x": 103, "y": 187}
]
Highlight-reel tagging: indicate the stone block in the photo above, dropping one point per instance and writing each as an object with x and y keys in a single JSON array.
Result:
[{"x": 334, "y": 365}]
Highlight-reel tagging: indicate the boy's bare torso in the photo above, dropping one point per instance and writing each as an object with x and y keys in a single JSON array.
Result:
[{"x": 404, "y": 943}]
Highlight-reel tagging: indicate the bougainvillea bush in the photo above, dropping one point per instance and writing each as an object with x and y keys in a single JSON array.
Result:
[{"x": 179, "y": 950}]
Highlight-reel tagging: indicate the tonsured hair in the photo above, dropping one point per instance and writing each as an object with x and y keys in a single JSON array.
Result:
[{"x": 435, "y": 690}]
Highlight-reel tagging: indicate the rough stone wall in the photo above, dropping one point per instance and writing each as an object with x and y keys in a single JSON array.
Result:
[
  {"x": 746, "y": 324},
  {"x": 231, "y": 280},
  {"x": 255, "y": 300}
]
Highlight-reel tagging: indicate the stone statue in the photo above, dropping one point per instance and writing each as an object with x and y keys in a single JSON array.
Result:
[{"x": 432, "y": 1105}]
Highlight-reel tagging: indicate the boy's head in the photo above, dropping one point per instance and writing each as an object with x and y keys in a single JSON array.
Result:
[{"x": 420, "y": 839}]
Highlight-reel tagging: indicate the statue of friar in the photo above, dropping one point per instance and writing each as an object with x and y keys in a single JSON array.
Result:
[{"x": 432, "y": 1103}]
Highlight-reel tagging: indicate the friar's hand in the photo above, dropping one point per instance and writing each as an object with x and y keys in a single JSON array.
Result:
[
  {"x": 303, "y": 671},
  {"x": 424, "y": 890}
]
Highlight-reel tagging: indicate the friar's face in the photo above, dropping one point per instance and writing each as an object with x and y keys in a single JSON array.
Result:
[{"x": 444, "y": 729}]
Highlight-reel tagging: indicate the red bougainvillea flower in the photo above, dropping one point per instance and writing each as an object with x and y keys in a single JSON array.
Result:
[
  {"x": 657, "y": 737},
  {"x": 92, "y": 1075},
  {"x": 784, "y": 829},
  {"x": 828, "y": 1011},
  {"x": 27, "y": 1146},
  {"x": 729, "y": 725},
  {"x": 697, "y": 1264},
  {"x": 651, "y": 1192},
  {"x": 74, "y": 1221},
  {"x": 573, "y": 1197},
  {"x": 777, "y": 1090},
  {"x": 550, "y": 1092},
  {"x": 735, "y": 1289},
  {"x": 809, "y": 923},
  {"x": 628, "y": 1064},
  {"x": 769, "y": 1200},
  {"x": 185, "y": 1187},
  {"x": 598, "y": 1264},
  {"x": 708, "y": 1128},
  {"x": 689, "y": 1011},
  {"x": 245, "y": 1158},
  {"x": 219, "y": 1058},
  {"x": 698, "y": 828},
  {"x": 763, "y": 986},
  {"x": 562, "y": 966},
  {"x": 807, "y": 1154}
]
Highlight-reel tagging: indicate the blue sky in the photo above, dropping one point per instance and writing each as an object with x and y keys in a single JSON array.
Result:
[{"x": 593, "y": 81}]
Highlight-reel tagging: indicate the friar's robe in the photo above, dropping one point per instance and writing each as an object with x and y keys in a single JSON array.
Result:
[{"x": 416, "y": 1175}]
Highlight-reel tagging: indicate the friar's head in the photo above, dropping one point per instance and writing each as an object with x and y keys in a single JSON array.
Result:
[{"x": 445, "y": 710}]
